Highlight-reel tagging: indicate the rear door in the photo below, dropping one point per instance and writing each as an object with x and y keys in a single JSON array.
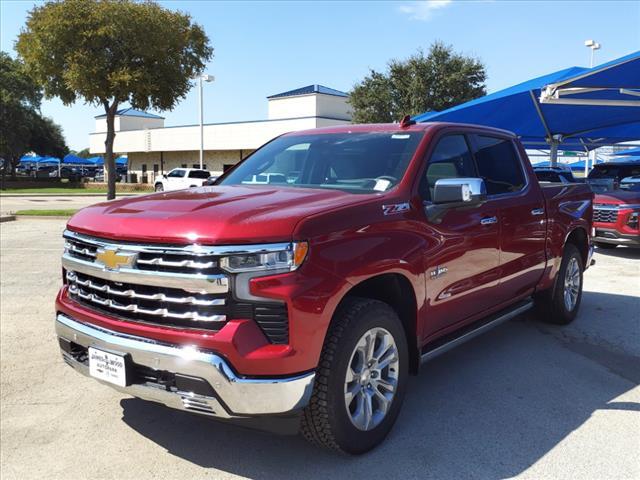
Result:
[
  {"x": 522, "y": 216},
  {"x": 461, "y": 259},
  {"x": 196, "y": 178}
]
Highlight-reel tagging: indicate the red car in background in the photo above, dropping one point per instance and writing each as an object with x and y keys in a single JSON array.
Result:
[
  {"x": 616, "y": 205},
  {"x": 615, "y": 218}
]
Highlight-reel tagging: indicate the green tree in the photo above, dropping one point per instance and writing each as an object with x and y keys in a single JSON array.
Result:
[
  {"x": 436, "y": 81},
  {"x": 22, "y": 127},
  {"x": 84, "y": 153},
  {"x": 110, "y": 52}
]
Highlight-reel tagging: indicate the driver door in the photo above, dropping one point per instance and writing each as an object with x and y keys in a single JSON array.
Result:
[{"x": 461, "y": 261}]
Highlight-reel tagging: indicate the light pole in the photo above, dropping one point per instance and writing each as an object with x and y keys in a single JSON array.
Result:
[
  {"x": 201, "y": 78},
  {"x": 593, "y": 45}
]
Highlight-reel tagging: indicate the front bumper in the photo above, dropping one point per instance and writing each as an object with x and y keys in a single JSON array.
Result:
[
  {"x": 219, "y": 392},
  {"x": 612, "y": 236}
]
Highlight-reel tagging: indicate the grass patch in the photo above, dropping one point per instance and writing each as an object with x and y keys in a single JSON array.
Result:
[
  {"x": 54, "y": 190},
  {"x": 46, "y": 213}
]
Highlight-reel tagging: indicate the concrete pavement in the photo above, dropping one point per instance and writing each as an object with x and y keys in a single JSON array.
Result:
[{"x": 526, "y": 400}]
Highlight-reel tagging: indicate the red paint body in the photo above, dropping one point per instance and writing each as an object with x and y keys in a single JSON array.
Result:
[{"x": 351, "y": 241}]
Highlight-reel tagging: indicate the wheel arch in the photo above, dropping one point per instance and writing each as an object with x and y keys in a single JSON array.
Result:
[
  {"x": 396, "y": 290},
  {"x": 580, "y": 238}
]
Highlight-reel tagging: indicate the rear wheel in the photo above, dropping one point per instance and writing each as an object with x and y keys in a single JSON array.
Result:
[
  {"x": 159, "y": 187},
  {"x": 361, "y": 379},
  {"x": 560, "y": 305},
  {"x": 605, "y": 246}
]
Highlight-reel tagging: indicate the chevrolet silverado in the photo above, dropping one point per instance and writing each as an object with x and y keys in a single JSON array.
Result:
[{"x": 370, "y": 250}]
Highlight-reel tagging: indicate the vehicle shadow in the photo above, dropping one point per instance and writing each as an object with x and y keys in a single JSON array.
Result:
[
  {"x": 489, "y": 409},
  {"x": 620, "y": 252}
]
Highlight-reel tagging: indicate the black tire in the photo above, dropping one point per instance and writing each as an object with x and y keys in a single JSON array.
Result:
[
  {"x": 605, "y": 246},
  {"x": 159, "y": 187},
  {"x": 551, "y": 304},
  {"x": 326, "y": 421}
]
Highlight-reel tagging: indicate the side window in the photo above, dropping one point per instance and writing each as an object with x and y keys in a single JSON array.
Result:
[
  {"x": 176, "y": 174},
  {"x": 499, "y": 165},
  {"x": 199, "y": 174},
  {"x": 450, "y": 159}
]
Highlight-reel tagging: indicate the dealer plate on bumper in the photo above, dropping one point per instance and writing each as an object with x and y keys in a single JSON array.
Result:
[{"x": 108, "y": 367}]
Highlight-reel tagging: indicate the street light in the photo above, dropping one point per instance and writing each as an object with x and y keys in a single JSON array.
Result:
[
  {"x": 593, "y": 45},
  {"x": 201, "y": 78}
]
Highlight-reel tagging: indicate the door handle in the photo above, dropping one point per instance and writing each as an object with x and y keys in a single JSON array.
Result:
[
  {"x": 489, "y": 220},
  {"x": 537, "y": 211}
]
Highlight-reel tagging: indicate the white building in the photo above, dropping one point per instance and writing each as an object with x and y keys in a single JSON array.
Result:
[{"x": 154, "y": 149}]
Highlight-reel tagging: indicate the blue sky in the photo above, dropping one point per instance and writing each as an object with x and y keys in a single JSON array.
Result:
[{"x": 262, "y": 48}]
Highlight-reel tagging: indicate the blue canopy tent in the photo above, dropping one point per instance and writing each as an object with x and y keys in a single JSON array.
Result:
[
  {"x": 122, "y": 160},
  {"x": 592, "y": 122},
  {"x": 71, "y": 159},
  {"x": 581, "y": 165},
  {"x": 631, "y": 151}
]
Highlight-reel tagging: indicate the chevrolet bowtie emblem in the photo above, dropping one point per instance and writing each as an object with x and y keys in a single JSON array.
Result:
[{"x": 113, "y": 260}]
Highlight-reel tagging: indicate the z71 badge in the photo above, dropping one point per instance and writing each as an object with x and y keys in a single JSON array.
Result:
[{"x": 396, "y": 208}]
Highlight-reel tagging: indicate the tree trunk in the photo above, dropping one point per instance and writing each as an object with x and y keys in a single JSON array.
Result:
[{"x": 109, "y": 161}]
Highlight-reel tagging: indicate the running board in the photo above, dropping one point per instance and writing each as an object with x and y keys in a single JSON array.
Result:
[{"x": 445, "y": 344}]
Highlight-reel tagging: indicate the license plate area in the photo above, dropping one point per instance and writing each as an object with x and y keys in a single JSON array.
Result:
[{"x": 109, "y": 367}]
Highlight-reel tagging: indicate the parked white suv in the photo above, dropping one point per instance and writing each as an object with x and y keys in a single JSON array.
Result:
[{"x": 180, "y": 178}]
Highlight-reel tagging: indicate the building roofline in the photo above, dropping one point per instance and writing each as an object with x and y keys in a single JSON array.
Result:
[
  {"x": 231, "y": 123},
  {"x": 314, "y": 89},
  {"x": 131, "y": 112}
]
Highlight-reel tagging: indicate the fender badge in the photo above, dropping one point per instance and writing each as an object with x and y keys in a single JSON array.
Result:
[
  {"x": 438, "y": 272},
  {"x": 396, "y": 208}
]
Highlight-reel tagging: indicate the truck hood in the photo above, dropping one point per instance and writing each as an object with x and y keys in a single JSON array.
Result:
[
  {"x": 210, "y": 215},
  {"x": 617, "y": 197}
]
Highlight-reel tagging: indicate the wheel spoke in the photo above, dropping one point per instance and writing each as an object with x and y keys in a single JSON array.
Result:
[
  {"x": 368, "y": 408},
  {"x": 390, "y": 357},
  {"x": 351, "y": 392},
  {"x": 389, "y": 386},
  {"x": 370, "y": 346},
  {"x": 382, "y": 401}
]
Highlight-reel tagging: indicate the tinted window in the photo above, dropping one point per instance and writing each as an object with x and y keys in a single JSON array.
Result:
[
  {"x": 614, "y": 171},
  {"x": 450, "y": 159},
  {"x": 498, "y": 165},
  {"x": 354, "y": 162},
  {"x": 199, "y": 174},
  {"x": 548, "y": 176},
  {"x": 176, "y": 174}
]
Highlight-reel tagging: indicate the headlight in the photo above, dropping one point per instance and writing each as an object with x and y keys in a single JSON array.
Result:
[
  {"x": 286, "y": 258},
  {"x": 633, "y": 220}
]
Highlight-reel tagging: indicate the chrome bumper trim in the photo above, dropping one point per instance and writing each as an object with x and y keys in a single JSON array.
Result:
[
  {"x": 184, "y": 281},
  {"x": 236, "y": 396}
]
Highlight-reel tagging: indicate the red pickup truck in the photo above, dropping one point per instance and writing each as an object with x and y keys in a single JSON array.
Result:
[{"x": 372, "y": 249}]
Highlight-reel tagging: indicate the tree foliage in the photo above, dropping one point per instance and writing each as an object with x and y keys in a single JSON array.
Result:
[
  {"x": 110, "y": 52},
  {"x": 436, "y": 81},
  {"x": 22, "y": 127}
]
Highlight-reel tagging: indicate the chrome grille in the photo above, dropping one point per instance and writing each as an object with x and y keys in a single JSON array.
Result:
[
  {"x": 605, "y": 215},
  {"x": 173, "y": 286},
  {"x": 156, "y": 305}
]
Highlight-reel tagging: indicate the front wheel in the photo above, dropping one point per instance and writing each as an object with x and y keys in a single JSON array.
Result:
[
  {"x": 361, "y": 379},
  {"x": 159, "y": 187},
  {"x": 560, "y": 305}
]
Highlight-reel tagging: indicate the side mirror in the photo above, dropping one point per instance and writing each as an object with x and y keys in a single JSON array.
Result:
[{"x": 459, "y": 192}]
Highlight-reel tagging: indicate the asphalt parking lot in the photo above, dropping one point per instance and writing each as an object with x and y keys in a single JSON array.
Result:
[
  {"x": 525, "y": 400},
  {"x": 13, "y": 203}
]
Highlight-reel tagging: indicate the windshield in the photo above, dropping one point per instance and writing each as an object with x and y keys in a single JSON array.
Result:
[{"x": 353, "y": 162}]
